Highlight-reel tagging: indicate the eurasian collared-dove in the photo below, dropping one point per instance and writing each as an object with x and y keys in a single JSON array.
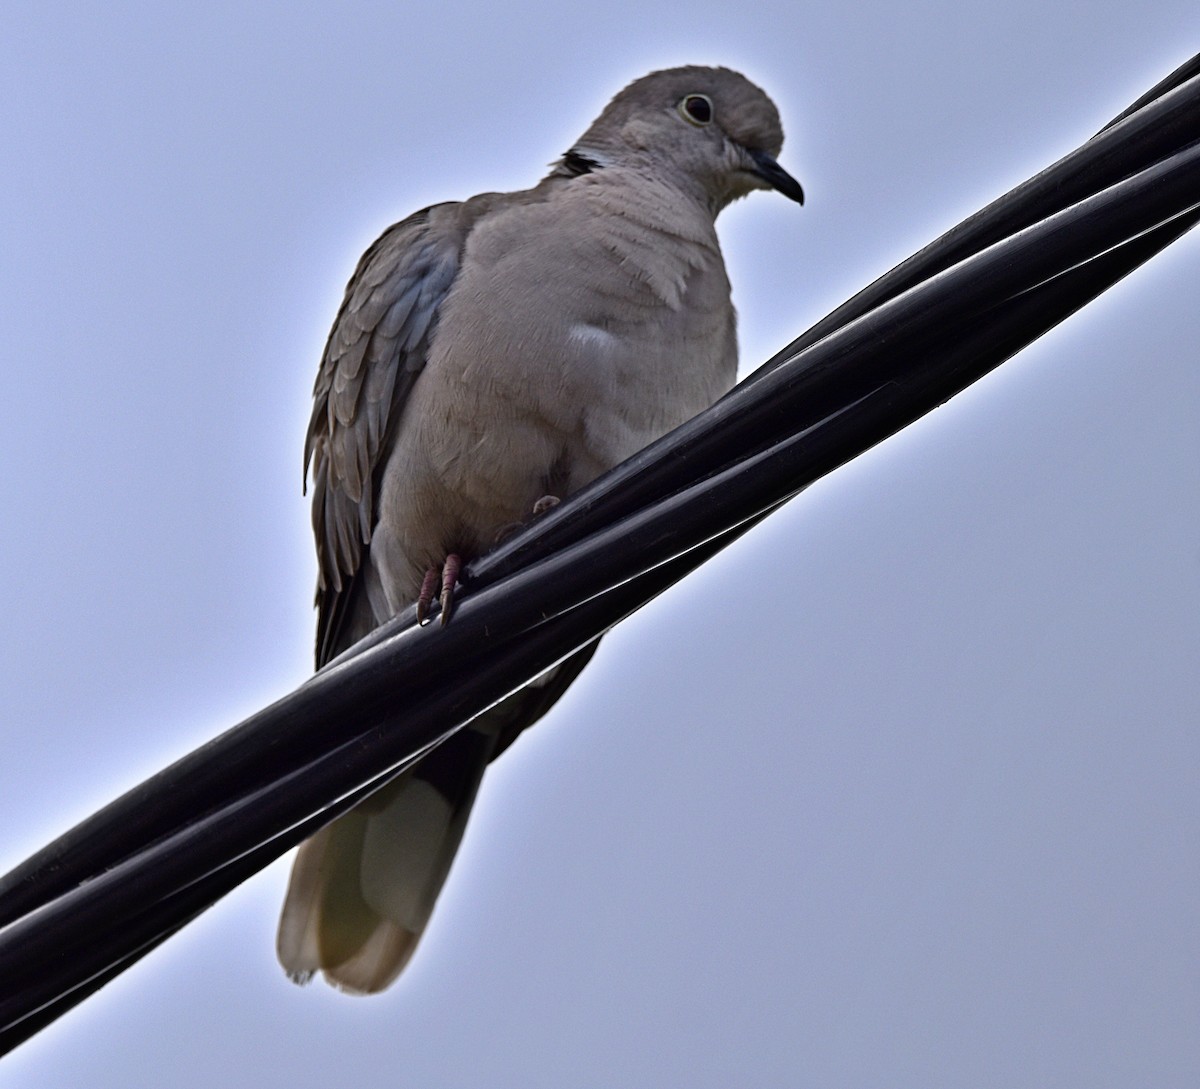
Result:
[{"x": 490, "y": 357}]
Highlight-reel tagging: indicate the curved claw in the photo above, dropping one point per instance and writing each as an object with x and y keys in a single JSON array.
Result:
[
  {"x": 446, "y": 576},
  {"x": 450, "y": 570},
  {"x": 425, "y": 597}
]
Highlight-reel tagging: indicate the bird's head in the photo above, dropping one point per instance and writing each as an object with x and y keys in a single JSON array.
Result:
[{"x": 709, "y": 130}]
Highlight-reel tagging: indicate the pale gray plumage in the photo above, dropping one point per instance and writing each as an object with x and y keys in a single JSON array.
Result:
[{"x": 489, "y": 353}]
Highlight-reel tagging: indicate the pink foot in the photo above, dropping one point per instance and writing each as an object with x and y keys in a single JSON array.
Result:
[
  {"x": 450, "y": 570},
  {"x": 547, "y": 502},
  {"x": 425, "y": 597},
  {"x": 447, "y": 576}
]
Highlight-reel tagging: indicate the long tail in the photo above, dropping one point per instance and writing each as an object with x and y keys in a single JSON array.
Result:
[{"x": 362, "y": 889}]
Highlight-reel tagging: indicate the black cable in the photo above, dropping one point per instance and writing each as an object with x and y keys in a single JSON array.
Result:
[{"x": 98, "y": 898}]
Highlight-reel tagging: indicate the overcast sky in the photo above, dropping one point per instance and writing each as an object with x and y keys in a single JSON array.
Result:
[{"x": 919, "y": 809}]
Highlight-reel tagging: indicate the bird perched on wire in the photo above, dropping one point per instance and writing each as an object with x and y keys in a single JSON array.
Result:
[{"x": 490, "y": 357}]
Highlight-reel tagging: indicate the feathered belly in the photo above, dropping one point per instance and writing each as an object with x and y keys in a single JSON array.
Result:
[{"x": 541, "y": 410}]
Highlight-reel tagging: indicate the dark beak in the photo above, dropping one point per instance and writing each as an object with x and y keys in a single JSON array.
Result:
[{"x": 775, "y": 176}]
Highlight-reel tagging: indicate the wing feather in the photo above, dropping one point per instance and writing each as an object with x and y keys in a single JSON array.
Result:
[{"x": 375, "y": 353}]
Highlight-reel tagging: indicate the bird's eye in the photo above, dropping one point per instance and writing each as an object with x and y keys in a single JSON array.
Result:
[{"x": 698, "y": 109}]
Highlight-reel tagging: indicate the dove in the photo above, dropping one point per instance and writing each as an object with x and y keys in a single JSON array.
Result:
[{"x": 490, "y": 357}]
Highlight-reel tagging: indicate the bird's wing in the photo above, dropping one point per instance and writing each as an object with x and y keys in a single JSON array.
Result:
[{"x": 376, "y": 350}]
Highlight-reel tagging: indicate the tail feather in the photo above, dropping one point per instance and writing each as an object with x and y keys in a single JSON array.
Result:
[{"x": 363, "y": 888}]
